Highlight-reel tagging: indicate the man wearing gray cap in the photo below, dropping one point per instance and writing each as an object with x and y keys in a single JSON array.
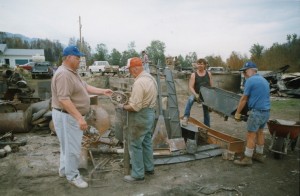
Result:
[
  {"x": 70, "y": 103},
  {"x": 257, "y": 96}
]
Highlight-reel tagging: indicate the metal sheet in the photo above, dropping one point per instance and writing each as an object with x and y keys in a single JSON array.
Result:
[
  {"x": 206, "y": 151},
  {"x": 222, "y": 101},
  {"x": 172, "y": 111}
]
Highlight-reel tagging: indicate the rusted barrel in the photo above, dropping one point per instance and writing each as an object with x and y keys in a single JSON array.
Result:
[
  {"x": 7, "y": 73},
  {"x": 17, "y": 122}
]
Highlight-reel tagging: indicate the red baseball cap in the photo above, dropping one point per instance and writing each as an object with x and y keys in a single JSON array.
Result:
[{"x": 133, "y": 62}]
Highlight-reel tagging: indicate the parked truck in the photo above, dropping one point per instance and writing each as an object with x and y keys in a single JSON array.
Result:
[{"x": 103, "y": 67}]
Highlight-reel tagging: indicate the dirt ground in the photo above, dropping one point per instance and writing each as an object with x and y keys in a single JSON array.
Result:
[{"x": 34, "y": 169}]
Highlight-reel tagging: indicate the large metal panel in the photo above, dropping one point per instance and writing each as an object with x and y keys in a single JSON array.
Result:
[
  {"x": 222, "y": 101},
  {"x": 172, "y": 109}
]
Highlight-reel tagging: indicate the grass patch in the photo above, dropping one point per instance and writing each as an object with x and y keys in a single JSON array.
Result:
[{"x": 287, "y": 108}]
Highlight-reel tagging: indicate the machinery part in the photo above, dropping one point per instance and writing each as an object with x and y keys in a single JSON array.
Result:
[
  {"x": 92, "y": 131},
  {"x": 7, "y": 73},
  {"x": 21, "y": 84},
  {"x": 118, "y": 97}
]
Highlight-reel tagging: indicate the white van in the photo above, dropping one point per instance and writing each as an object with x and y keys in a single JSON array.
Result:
[
  {"x": 98, "y": 66},
  {"x": 216, "y": 69}
]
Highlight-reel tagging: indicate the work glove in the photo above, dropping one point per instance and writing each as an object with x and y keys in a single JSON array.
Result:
[
  {"x": 198, "y": 99},
  {"x": 237, "y": 117}
]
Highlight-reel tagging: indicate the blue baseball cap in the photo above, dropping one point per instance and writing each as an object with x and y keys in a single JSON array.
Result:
[
  {"x": 72, "y": 50},
  {"x": 248, "y": 65}
]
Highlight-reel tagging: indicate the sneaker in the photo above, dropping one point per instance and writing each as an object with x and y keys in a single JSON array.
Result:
[
  {"x": 149, "y": 172},
  {"x": 245, "y": 161},
  {"x": 259, "y": 157},
  {"x": 133, "y": 180},
  {"x": 78, "y": 182},
  {"x": 185, "y": 121}
]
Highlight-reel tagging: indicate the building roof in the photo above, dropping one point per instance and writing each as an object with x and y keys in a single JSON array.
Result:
[
  {"x": 20, "y": 52},
  {"x": 24, "y": 52}
]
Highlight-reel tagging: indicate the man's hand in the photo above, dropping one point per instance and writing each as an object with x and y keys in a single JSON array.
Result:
[
  {"x": 237, "y": 117},
  {"x": 83, "y": 125}
]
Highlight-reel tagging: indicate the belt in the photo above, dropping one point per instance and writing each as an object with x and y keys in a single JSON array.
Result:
[
  {"x": 260, "y": 110},
  {"x": 61, "y": 110}
]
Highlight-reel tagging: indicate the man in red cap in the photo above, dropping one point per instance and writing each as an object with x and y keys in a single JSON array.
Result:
[{"x": 141, "y": 117}]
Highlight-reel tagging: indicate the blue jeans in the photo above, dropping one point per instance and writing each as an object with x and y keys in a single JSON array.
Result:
[
  {"x": 189, "y": 105},
  {"x": 140, "y": 127}
]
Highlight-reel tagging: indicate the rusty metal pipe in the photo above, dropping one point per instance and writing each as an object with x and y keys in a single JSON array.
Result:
[{"x": 16, "y": 122}]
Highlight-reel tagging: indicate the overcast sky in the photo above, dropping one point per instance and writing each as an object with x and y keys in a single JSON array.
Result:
[{"x": 207, "y": 27}]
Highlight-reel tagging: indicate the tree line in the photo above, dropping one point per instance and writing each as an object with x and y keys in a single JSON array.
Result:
[{"x": 271, "y": 58}]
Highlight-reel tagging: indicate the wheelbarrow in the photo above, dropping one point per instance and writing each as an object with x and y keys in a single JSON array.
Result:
[{"x": 284, "y": 135}]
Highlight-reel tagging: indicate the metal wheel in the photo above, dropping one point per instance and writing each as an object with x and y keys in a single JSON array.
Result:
[{"x": 118, "y": 97}]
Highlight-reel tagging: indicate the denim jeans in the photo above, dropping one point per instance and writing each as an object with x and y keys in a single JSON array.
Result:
[
  {"x": 140, "y": 127},
  {"x": 189, "y": 105},
  {"x": 69, "y": 136},
  {"x": 257, "y": 119}
]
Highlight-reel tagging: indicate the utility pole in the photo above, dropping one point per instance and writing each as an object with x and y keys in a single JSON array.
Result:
[
  {"x": 80, "y": 39},
  {"x": 82, "y": 58}
]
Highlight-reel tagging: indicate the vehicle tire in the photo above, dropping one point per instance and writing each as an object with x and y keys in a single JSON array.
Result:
[{"x": 279, "y": 146}]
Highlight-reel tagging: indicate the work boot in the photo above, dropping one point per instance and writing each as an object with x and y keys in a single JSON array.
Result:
[
  {"x": 133, "y": 180},
  {"x": 244, "y": 161},
  {"x": 149, "y": 172},
  {"x": 185, "y": 121},
  {"x": 259, "y": 157}
]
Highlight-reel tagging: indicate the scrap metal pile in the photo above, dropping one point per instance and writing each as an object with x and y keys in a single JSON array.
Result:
[
  {"x": 16, "y": 86},
  {"x": 283, "y": 84},
  {"x": 9, "y": 143}
]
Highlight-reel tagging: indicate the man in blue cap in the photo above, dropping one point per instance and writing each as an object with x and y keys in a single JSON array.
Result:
[
  {"x": 257, "y": 96},
  {"x": 70, "y": 104}
]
